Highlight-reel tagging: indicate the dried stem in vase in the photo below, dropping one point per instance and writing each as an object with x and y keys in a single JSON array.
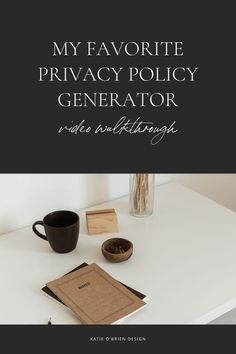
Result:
[{"x": 141, "y": 192}]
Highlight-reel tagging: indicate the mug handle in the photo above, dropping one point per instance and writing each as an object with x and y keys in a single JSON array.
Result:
[{"x": 36, "y": 231}]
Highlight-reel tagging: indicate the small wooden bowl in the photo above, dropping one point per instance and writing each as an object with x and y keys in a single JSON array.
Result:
[{"x": 117, "y": 249}]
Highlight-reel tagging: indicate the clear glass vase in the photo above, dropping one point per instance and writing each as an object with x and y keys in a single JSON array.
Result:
[{"x": 141, "y": 194}]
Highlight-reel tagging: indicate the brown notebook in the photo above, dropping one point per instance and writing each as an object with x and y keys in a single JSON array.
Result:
[
  {"x": 94, "y": 296},
  {"x": 51, "y": 294}
]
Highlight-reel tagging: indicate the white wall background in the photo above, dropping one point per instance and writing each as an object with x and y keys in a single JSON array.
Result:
[{"x": 25, "y": 198}]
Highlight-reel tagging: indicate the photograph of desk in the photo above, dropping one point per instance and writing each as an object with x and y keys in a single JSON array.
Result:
[{"x": 184, "y": 260}]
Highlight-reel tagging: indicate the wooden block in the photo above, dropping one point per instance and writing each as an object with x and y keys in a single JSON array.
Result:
[{"x": 101, "y": 221}]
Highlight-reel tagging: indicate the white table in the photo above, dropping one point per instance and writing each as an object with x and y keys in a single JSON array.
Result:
[{"x": 184, "y": 260}]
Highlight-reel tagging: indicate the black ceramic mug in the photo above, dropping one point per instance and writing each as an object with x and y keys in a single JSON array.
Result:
[{"x": 62, "y": 230}]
